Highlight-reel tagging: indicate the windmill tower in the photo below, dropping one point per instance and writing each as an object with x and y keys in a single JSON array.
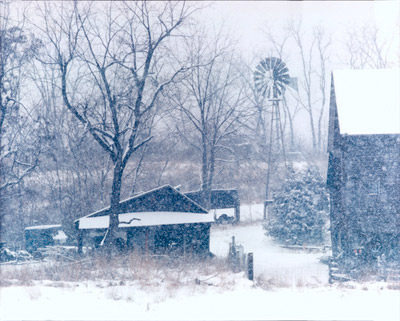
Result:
[{"x": 271, "y": 79}]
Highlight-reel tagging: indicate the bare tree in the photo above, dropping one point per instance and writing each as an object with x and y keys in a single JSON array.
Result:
[
  {"x": 19, "y": 144},
  {"x": 313, "y": 56},
  {"x": 73, "y": 165},
  {"x": 119, "y": 53},
  {"x": 323, "y": 52},
  {"x": 367, "y": 47},
  {"x": 211, "y": 102}
]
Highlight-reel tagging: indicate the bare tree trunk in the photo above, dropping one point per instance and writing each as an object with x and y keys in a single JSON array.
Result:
[
  {"x": 114, "y": 206},
  {"x": 209, "y": 104},
  {"x": 307, "y": 57},
  {"x": 162, "y": 172}
]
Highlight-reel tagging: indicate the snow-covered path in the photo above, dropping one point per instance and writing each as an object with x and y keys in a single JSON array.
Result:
[{"x": 271, "y": 261}]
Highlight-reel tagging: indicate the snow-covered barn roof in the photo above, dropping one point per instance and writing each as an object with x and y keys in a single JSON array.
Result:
[
  {"x": 146, "y": 219},
  {"x": 161, "y": 206},
  {"x": 368, "y": 101},
  {"x": 43, "y": 227},
  {"x": 161, "y": 199}
]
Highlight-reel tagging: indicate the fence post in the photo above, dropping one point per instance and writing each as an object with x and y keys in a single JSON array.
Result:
[
  {"x": 232, "y": 255},
  {"x": 250, "y": 266}
]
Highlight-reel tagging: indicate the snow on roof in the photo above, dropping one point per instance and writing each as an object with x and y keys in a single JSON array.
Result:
[
  {"x": 196, "y": 207},
  {"x": 60, "y": 236},
  {"x": 42, "y": 227},
  {"x": 146, "y": 219},
  {"x": 368, "y": 101}
]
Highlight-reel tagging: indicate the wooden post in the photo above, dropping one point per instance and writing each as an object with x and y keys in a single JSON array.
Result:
[
  {"x": 267, "y": 203},
  {"x": 237, "y": 214},
  {"x": 80, "y": 242},
  {"x": 265, "y": 211},
  {"x": 184, "y": 240},
  {"x": 146, "y": 242},
  {"x": 250, "y": 266},
  {"x": 232, "y": 256}
]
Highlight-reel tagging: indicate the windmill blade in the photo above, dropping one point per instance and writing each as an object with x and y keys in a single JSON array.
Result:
[
  {"x": 262, "y": 89},
  {"x": 264, "y": 65},
  {"x": 285, "y": 79},
  {"x": 261, "y": 85},
  {"x": 261, "y": 68},
  {"x": 259, "y": 78},
  {"x": 277, "y": 90},
  {"x": 267, "y": 63},
  {"x": 274, "y": 62},
  {"x": 280, "y": 66},
  {"x": 282, "y": 70},
  {"x": 258, "y": 75},
  {"x": 280, "y": 87}
]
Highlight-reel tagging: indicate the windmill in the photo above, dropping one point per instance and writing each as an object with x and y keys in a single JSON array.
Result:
[{"x": 271, "y": 79}]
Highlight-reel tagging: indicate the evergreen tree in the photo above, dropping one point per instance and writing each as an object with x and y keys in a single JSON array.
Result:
[{"x": 300, "y": 209}]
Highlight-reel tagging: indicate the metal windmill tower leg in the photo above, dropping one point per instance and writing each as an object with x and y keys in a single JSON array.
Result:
[
  {"x": 282, "y": 137},
  {"x": 277, "y": 124},
  {"x": 267, "y": 192}
]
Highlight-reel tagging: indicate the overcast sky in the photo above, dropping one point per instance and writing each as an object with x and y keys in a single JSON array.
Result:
[{"x": 246, "y": 19}]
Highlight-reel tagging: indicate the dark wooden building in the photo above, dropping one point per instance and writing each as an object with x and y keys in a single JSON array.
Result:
[
  {"x": 40, "y": 236},
  {"x": 364, "y": 163},
  {"x": 159, "y": 221},
  {"x": 222, "y": 202}
]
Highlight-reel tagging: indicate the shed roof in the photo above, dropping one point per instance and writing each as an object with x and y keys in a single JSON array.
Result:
[
  {"x": 138, "y": 219},
  {"x": 368, "y": 101},
  {"x": 160, "y": 206},
  {"x": 43, "y": 227},
  {"x": 161, "y": 199}
]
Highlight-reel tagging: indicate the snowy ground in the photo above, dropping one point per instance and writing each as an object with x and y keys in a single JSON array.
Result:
[
  {"x": 289, "y": 285},
  {"x": 281, "y": 266}
]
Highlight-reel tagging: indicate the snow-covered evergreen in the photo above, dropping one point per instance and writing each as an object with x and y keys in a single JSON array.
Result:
[{"x": 300, "y": 209}]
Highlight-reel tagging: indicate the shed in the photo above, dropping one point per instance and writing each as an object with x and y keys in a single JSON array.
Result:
[
  {"x": 364, "y": 162},
  {"x": 222, "y": 201},
  {"x": 40, "y": 236},
  {"x": 159, "y": 221}
]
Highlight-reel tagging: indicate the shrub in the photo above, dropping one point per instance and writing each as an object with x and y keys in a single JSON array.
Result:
[{"x": 300, "y": 209}]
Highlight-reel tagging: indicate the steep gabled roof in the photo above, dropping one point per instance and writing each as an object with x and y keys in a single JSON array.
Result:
[
  {"x": 161, "y": 206},
  {"x": 162, "y": 199},
  {"x": 367, "y": 101}
]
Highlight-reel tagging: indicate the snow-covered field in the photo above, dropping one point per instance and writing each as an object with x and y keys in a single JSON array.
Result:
[{"x": 289, "y": 285}]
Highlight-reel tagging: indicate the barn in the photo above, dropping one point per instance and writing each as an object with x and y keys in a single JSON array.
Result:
[
  {"x": 159, "y": 221},
  {"x": 363, "y": 175}
]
